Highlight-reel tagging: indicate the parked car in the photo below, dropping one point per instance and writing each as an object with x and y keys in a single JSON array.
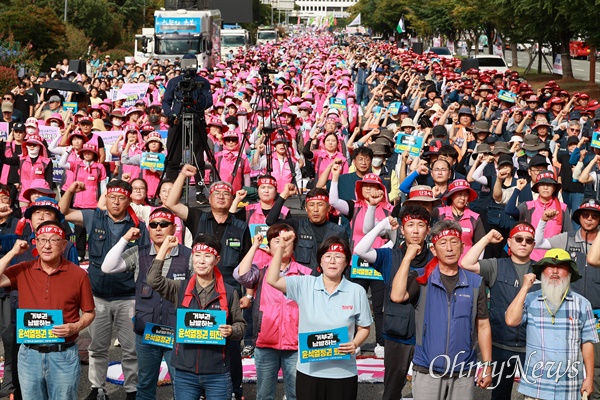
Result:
[
  {"x": 579, "y": 49},
  {"x": 488, "y": 62},
  {"x": 442, "y": 52}
]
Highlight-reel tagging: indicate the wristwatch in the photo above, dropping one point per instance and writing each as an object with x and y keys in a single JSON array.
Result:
[{"x": 250, "y": 297}]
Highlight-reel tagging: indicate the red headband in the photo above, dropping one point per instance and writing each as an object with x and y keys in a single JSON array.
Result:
[
  {"x": 445, "y": 233},
  {"x": 420, "y": 192},
  {"x": 267, "y": 181},
  {"x": 5, "y": 192},
  {"x": 320, "y": 197},
  {"x": 118, "y": 190},
  {"x": 413, "y": 217},
  {"x": 336, "y": 248},
  {"x": 221, "y": 186},
  {"x": 201, "y": 247},
  {"x": 163, "y": 215},
  {"x": 51, "y": 229},
  {"x": 45, "y": 204},
  {"x": 545, "y": 175},
  {"x": 521, "y": 228}
]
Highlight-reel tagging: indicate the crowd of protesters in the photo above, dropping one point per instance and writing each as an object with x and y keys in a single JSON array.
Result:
[{"x": 442, "y": 193}]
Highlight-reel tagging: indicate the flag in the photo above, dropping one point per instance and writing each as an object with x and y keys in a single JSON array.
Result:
[
  {"x": 355, "y": 21},
  {"x": 401, "y": 28}
]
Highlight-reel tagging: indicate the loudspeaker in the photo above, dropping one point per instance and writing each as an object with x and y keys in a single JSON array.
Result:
[
  {"x": 468, "y": 63},
  {"x": 77, "y": 66},
  {"x": 418, "y": 47}
]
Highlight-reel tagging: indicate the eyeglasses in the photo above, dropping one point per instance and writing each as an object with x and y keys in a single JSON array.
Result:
[
  {"x": 162, "y": 224},
  {"x": 41, "y": 242},
  {"x": 7, "y": 98},
  {"x": 334, "y": 257},
  {"x": 519, "y": 239},
  {"x": 230, "y": 139},
  {"x": 117, "y": 198},
  {"x": 588, "y": 214},
  {"x": 221, "y": 194},
  {"x": 574, "y": 130}
]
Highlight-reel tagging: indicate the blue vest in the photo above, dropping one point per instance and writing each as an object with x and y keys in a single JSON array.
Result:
[
  {"x": 501, "y": 295},
  {"x": 231, "y": 245},
  {"x": 202, "y": 358},
  {"x": 445, "y": 329},
  {"x": 119, "y": 286},
  {"x": 149, "y": 306},
  {"x": 306, "y": 249},
  {"x": 589, "y": 285}
]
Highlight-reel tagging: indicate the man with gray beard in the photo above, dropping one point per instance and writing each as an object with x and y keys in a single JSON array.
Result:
[{"x": 561, "y": 331}]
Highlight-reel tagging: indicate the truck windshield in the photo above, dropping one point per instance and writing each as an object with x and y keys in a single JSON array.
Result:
[
  {"x": 233, "y": 40},
  {"x": 267, "y": 35},
  {"x": 177, "y": 46}
]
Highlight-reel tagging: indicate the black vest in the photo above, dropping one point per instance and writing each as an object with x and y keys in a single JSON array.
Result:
[
  {"x": 589, "y": 285},
  {"x": 202, "y": 358},
  {"x": 149, "y": 306},
  {"x": 118, "y": 286},
  {"x": 503, "y": 292},
  {"x": 399, "y": 318},
  {"x": 231, "y": 245},
  {"x": 306, "y": 249}
]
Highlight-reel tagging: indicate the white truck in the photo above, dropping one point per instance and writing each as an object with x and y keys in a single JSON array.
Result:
[
  {"x": 232, "y": 39},
  {"x": 177, "y": 32},
  {"x": 266, "y": 34}
]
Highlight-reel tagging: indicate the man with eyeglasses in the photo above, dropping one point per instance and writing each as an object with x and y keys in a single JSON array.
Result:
[
  {"x": 504, "y": 278},
  {"x": 50, "y": 282},
  {"x": 149, "y": 307},
  {"x": 41, "y": 210},
  {"x": 114, "y": 294},
  {"x": 233, "y": 234}
]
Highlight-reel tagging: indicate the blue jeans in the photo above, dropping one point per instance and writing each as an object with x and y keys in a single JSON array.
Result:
[
  {"x": 189, "y": 386},
  {"x": 268, "y": 361},
  {"x": 149, "y": 360},
  {"x": 50, "y": 375}
]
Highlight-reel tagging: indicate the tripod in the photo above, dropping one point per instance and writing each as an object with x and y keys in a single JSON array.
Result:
[
  {"x": 190, "y": 130},
  {"x": 266, "y": 101}
]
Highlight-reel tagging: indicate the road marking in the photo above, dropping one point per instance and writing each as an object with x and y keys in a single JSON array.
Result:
[{"x": 579, "y": 69}]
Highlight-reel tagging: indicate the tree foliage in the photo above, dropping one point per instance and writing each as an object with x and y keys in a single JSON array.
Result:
[
  {"x": 44, "y": 37},
  {"x": 535, "y": 21}
]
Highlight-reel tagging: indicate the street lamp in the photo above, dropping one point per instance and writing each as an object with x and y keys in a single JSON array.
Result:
[{"x": 65, "y": 18}]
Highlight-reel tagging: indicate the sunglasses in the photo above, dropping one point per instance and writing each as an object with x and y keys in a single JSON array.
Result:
[
  {"x": 519, "y": 239},
  {"x": 588, "y": 214},
  {"x": 162, "y": 224}
]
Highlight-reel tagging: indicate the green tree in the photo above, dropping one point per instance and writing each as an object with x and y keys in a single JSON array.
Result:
[{"x": 45, "y": 36}]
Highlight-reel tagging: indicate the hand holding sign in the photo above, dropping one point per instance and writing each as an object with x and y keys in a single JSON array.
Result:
[
  {"x": 347, "y": 348},
  {"x": 226, "y": 330},
  {"x": 65, "y": 330}
]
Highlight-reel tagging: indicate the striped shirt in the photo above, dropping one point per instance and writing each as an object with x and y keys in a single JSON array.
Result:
[{"x": 554, "y": 363}]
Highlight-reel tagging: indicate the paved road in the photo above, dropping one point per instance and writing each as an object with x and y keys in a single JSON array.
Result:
[{"x": 581, "y": 68}]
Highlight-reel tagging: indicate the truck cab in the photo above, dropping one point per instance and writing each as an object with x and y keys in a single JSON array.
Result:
[
  {"x": 177, "y": 32},
  {"x": 233, "y": 39},
  {"x": 266, "y": 34}
]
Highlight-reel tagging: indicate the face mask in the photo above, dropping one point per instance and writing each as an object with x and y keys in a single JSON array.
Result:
[
  {"x": 29, "y": 130},
  {"x": 53, "y": 123},
  {"x": 377, "y": 161},
  {"x": 33, "y": 153},
  {"x": 117, "y": 122},
  {"x": 153, "y": 118}
]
